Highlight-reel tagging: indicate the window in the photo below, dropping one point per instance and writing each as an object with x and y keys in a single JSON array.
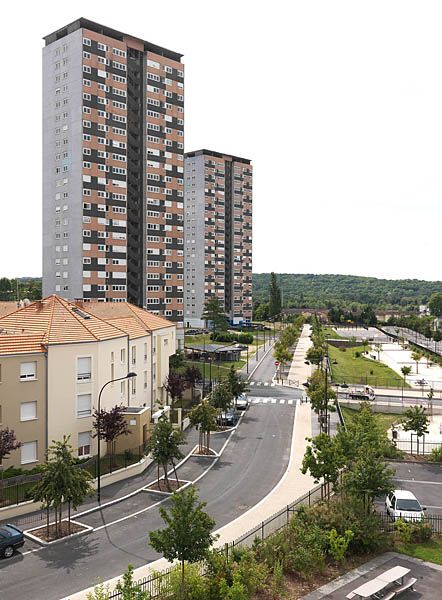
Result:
[
  {"x": 28, "y": 452},
  {"x": 134, "y": 354},
  {"x": 145, "y": 379},
  {"x": 28, "y": 411},
  {"x": 28, "y": 371},
  {"x": 84, "y": 403},
  {"x": 84, "y": 443},
  {"x": 123, "y": 355},
  {"x": 84, "y": 368},
  {"x": 133, "y": 386}
]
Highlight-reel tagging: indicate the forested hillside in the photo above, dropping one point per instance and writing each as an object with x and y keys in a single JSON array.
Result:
[{"x": 318, "y": 291}]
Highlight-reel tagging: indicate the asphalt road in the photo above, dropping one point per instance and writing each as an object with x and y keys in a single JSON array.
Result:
[
  {"x": 424, "y": 480},
  {"x": 253, "y": 462}
]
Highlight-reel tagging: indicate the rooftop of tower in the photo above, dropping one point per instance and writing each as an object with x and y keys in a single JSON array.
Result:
[{"x": 108, "y": 31}]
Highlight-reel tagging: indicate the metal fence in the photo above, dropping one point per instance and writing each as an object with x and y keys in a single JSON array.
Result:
[
  {"x": 15, "y": 490},
  {"x": 387, "y": 523},
  {"x": 412, "y": 446}
]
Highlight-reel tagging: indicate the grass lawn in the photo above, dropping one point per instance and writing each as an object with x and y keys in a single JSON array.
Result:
[
  {"x": 430, "y": 551},
  {"x": 365, "y": 371},
  {"x": 332, "y": 334},
  {"x": 386, "y": 419},
  {"x": 220, "y": 369}
]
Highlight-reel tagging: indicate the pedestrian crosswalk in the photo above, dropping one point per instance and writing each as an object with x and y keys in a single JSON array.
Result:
[
  {"x": 266, "y": 400},
  {"x": 264, "y": 383}
]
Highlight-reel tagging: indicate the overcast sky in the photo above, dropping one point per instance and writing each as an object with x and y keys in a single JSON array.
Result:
[{"x": 338, "y": 104}]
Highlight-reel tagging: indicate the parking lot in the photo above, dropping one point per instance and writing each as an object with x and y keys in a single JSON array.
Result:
[{"x": 424, "y": 480}]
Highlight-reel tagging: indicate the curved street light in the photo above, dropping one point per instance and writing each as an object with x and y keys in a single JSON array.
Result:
[{"x": 128, "y": 376}]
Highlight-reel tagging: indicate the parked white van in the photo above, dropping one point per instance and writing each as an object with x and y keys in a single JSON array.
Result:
[{"x": 401, "y": 504}]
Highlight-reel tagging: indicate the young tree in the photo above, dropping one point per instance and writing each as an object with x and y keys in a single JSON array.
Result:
[
  {"x": 237, "y": 385},
  {"x": 378, "y": 348},
  {"x": 8, "y": 443},
  {"x": 203, "y": 418},
  {"x": 369, "y": 477},
  {"x": 164, "y": 446},
  {"x": 416, "y": 356},
  {"x": 192, "y": 376},
  {"x": 221, "y": 396},
  {"x": 275, "y": 301},
  {"x": 281, "y": 352},
  {"x": 187, "y": 536},
  {"x": 110, "y": 425},
  {"x": 324, "y": 459},
  {"x": 214, "y": 312},
  {"x": 175, "y": 384},
  {"x": 405, "y": 371},
  {"x": 415, "y": 419},
  {"x": 62, "y": 481},
  {"x": 365, "y": 344}
]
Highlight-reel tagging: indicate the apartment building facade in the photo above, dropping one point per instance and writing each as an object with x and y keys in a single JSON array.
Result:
[
  {"x": 218, "y": 235},
  {"x": 113, "y": 144},
  {"x": 55, "y": 358}
]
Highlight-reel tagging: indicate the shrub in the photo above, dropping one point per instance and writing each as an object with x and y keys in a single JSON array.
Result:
[
  {"x": 307, "y": 548},
  {"x": 338, "y": 544},
  {"x": 413, "y": 532},
  {"x": 224, "y": 336},
  {"x": 343, "y": 513},
  {"x": 195, "y": 584},
  {"x": 357, "y": 354},
  {"x": 436, "y": 454},
  {"x": 277, "y": 582}
]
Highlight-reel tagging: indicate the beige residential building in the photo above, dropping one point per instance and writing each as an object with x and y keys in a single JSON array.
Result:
[{"x": 56, "y": 356}]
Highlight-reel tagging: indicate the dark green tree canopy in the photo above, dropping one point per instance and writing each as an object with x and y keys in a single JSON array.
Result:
[
  {"x": 274, "y": 297},
  {"x": 435, "y": 304},
  {"x": 214, "y": 312}
]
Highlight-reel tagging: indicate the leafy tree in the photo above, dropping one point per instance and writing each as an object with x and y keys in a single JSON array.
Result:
[
  {"x": 320, "y": 396},
  {"x": 261, "y": 312},
  {"x": 324, "y": 459},
  {"x": 368, "y": 316},
  {"x": 405, "y": 372},
  {"x": 8, "y": 443},
  {"x": 417, "y": 356},
  {"x": 435, "y": 304},
  {"x": 364, "y": 433},
  {"x": 315, "y": 355},
  {"x": 110, "y": 425},
  {"x": 176, "y": 361},
  {"x": 365, "y": 344},
  {"x": 187, "y": 536},
  {"x": 203, "y": 418},
  {"x": 378, "y": 348},
  {"x": 369, "y": 477},
  {"x": 281, "y": 353},
  {"x": 236, "y": 384},
  {"x": 274, "y": 297},
  {"x": 61, "y": 481},
  {"x": 214, "y": 312},
  {"x": 416, "y": 419},
  {"x": 192, "y": 376},
  {"x": 221, "y": 396},
  {"x": 164, "y": 446},
  {"x": 175, "y": 384}
]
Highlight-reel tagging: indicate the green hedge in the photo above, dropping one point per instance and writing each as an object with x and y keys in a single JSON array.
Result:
[{"x": 223, "y": 336}]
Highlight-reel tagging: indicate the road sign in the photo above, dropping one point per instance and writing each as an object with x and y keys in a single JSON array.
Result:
[{"x": 276, "y": 363}]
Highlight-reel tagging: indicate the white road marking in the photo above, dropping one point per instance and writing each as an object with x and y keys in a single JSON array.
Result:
[
  {"x": 258, "y": 382},
  {"x": 264, "y": 400},
  {"x": 251, "y": 383},
  {"x": 256, "y": 400},
  {"x": 418, "y": 481},
  {"x": 282, "y": 402},
  {"x": 272, "y": 384},
  {"x": 290, "y": 401},
  {"x": 266, "y": 383},
  {"x": 273, "y": 400}
]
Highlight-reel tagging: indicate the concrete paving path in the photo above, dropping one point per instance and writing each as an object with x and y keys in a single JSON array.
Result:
[{"x": 299, "y": 371}]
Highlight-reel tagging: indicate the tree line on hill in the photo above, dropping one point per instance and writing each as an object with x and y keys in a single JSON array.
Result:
[{"x": 349, "y": 291}]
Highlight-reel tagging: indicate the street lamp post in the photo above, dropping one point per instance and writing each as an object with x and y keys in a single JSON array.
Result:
[
  {"x": 247, "y": 367},
  {"x": 128, "y": 376}
]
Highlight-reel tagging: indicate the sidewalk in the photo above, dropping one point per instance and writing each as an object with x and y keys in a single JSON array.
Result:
[
  {"x": 299, "y": 371},
  {"x": 291, "y": 486},
  {"x": 255, "y": 362}
]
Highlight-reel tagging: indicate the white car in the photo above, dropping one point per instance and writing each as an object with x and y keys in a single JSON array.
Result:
[
  {"x": 242, "y": 402},
  {"x": 401, "y": 504}
]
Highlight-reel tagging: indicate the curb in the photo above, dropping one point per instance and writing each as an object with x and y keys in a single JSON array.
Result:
[{"x": 86, "y": 530}]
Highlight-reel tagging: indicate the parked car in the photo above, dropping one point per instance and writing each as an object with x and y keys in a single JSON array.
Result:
[
  {"x": 421, "y": 382},
  {"x": 402, "y": 504},
  {"x": 242, "y": 402},
  {"x": 11, "y": 538},
  {"x": 229, "y": 417}
]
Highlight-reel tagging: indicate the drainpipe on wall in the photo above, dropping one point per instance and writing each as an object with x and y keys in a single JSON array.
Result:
[
  {"x": 47, "y": 399},
  {"x": 128, "y": 370},
  {"x": 151, "y": 374}
]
